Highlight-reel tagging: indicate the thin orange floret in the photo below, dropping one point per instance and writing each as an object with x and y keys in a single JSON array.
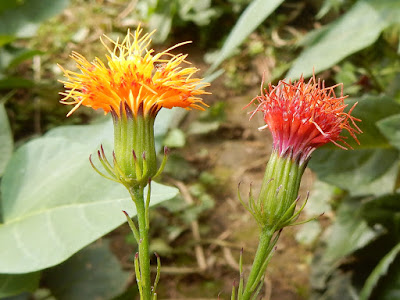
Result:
[
  {"x": 304, "y": 116},
  {"x": 134, "y": 76}
]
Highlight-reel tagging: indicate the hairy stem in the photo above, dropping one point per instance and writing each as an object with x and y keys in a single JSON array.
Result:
[
  {"x": 263, "y": 254},
  {"x": 144, "y": 255}
]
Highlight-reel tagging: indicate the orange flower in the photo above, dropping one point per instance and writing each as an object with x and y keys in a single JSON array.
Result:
[
  {"x": 134, "y": 77},
  {"x": 304, "y": 116}
]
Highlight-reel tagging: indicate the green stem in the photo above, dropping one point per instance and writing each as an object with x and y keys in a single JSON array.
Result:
[
  {"x": 259, "y": 266},
  {"x": 144, "y": 254}
]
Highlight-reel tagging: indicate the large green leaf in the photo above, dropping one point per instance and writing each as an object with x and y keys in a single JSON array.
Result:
[
  {"x": 7, "y": 4},
  {"x": 390, "y": 127},
  {"x": 18, "y": 283},
  {"x": 251, "y": 18},
  {"x": 389, "y": 286},
  {"x": 15, "y": 83},
  {"x": 93, "y": 273},
  {"x": 6, "y": 144},
  {"x": 348, "y": 233},
  {"x": 6, "y": 39},
  {"x": 12, "y": 56},
  {"x": 339, "y": 287},
  {"x": 379, "y": 271},
  {"x": 371, "y": 168},
  {"x": 384, "y": 210},
  {"x": 24, "y": 19},
  {"x": 54, "y": 204},
  {"x": 356, "y": 30}
]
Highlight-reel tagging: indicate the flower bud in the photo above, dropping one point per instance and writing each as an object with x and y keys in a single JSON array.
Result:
[{"x": 301, "y": 117}]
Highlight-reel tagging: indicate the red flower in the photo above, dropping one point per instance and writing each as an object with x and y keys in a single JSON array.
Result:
[{"x": 304, "y": 116}]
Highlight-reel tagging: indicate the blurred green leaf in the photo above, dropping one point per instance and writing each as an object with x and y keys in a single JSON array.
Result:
[
  {"x": 371, "y": 168},
  {"x": 329, "y": 5},
  {"x": 216, "y": 112},
  {"x": 205, "y": 202},
  {"x": 24, "y": 19},
  {"x": 348, "y": 75},
  {"x": 49, "y": 186},
  {"x": 6, "y": 39},
  {"x": 380, "y": 270},
  {"x": 383, "y": 210},
  {"x": 356, "y": 30},
  {"x": 251, "y": 18},
  {"x": 94, "y": 134},
  {"x": 23, "y": 55},
  {"x": 11, "y": 56},
  {"x": 199, "y": 12},
  {"x": 129, "y": 294},
  {"x": 320, "y": 197},
  {"x": 308, "y": 233},
  {"x": 92, "y": 273},
  {"x": 15, "y": 83},
  {"x": 363, "y": 172},
  {"x": 175, "y": 138},
  {"x": 199, "y": 127},
  {"x": 389, "y": 285},
  {"x": 390, "y": 127},
  {"x": 163, "y": 122},
  {"x": 162, "y": 22},
  {"x": 7, "y": 4},
  {"x": 179, "y": 168},
  {"x": 6, "y": 138},
  {"x": 350, "y": 232},
  {"x": 161, "y": 247},
  {"x": 339, "y": 287},
  {"x": 13, "y": 284}
]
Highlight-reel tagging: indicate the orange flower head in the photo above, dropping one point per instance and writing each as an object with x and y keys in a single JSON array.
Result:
[
  {"x": 304, "y": 116},
  {"x": 135, "y": 78}
]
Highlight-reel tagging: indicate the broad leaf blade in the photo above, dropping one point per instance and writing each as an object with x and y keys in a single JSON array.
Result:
[
  {"x": 6, "y": 144},
  {"x": 15, "y": 83},
  {"x": 11, "y": 284},
  {"x": 24, "y": 19},
  {"x": 380, "y": 270},
  {"x": 390, "y": 127},
  {"x": 92, "y": 273},
  {"x": 54, "y": 204},
  {"x": 348, "y": 234},
  {"x": 251, "y": 18},
  {"x": 356, "y": 30},
  {"x": 383, "y": 210},
  {"x": 371, "y": 167}
]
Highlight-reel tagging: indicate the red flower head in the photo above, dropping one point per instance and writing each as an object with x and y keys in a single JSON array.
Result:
[{"x": 304, "y": 116}]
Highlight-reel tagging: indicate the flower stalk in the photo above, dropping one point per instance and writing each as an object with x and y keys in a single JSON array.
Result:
[
  {"x": 301, "y": 117},
  {"x": 144, "y": 254},
  {"x": 260, "y": 262}
]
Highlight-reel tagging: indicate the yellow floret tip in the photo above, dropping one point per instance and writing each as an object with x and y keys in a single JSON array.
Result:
[{"x": 133, "y": 74}]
